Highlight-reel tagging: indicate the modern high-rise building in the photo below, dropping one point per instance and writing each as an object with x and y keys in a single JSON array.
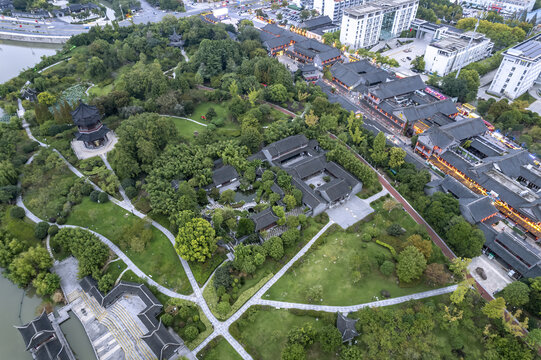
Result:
[
  {"x": 335, "y": 8},
  {"x": 364, "y": 25},
  {"x": 454, "y": 50},
  {"x": 519, "y": 69}
]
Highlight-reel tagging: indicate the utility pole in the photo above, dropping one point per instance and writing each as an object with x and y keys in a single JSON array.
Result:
[{"x": 468, "y": 47}]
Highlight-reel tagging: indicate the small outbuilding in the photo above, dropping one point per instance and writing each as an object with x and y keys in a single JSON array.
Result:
[{"x": 346, "y": 326}]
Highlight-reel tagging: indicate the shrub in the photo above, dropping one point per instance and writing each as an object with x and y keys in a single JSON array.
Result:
[
  {"x": 387, "y": 268},
  {"x": 126, "y": 183},
  {"x": 103, "y": 198},
  {"x": 41, "y": 230},
  {"x": 366, "y": 237},
  {"x": 190, "y": 333},
  {"x": 17, "y": 212},
  {"x": 94, "y": 195},
  {"x": 391, "y": 249},
  {"x": 131, "y": 192},
  {"x": 61, "y": 220},
  {"x": 395, "y": 230},
  {"x": 53, "y": 230}
]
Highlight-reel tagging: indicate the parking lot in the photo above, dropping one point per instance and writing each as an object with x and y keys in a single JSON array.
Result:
[{"x": 404, "y": 54}]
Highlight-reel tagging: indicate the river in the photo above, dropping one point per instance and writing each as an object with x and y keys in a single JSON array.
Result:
[{"x": 14, "y": 57}]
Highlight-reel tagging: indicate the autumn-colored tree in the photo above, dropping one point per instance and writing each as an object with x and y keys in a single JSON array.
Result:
[{"x": 311, "y": 119}]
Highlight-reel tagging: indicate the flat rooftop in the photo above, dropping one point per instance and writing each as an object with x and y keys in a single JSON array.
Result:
[
  {"x": 529, "y": 49},
  {"x": 375, "y": 6}
]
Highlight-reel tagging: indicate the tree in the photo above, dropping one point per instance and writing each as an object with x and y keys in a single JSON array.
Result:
[
  {"x": 459, "y": 267},
  {"x": 396, "y": 157},
  {"x": 46, "y": 283},
  {"x": 424, "y": 246},
  {"x": 330, "y": 338},
  {"x": 8, "y": 173},
  {"x": 223, "y": 308},
  {"x": 290, "y": 237},
  {"x": 222, "y": 277},
  {"x": 41, "y": 230},
  {"x": 436, "y": 275},
  {"x": 227, "y": 196},
  {"x": 103, "y": 197},
  {"x": 387, "y": 268},
  {"x": 136, "y": 236},
  {"x": 274, "y": 247},
  {"x": 495, "y": 309},
  {"x": 390, "y": 204},
  {"x": 17, "y": 212},
  {"x": 350, "y": 353},
  {"x": 455, "y": 87},
  {"x": 411, "y": 264},
  {"x": 471, "y": 77},
  {"x": 419, "y": 63},
  {"x": 278, "y": 93},
  {"x": 462, "y": 289},
  {"x": 46, "y": 98},
  {"x": 465, "y": 239},
  {"x": 378, "y": 153},
  {"x": 516, "y": 294},
  {"x": 294, "y": 352},
  {"x": 290, "y": 202},
  {"x": 305, "y": 14},
  {"x": 304, "y": 335},
  {"x": 106, "y": 283},
  {"x": 195, "y": 240},
  {"x": 27, "y": 265},
  {"x": 354, "y": 125},
  {"x": 311, "y": 119},
  {"x": 190, "y": 332}
]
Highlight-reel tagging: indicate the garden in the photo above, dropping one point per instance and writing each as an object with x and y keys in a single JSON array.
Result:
[
  {"x": 359, "y": 265},
  {"x": 218, "y": 349},
  {"x": 268, "y": 333}
]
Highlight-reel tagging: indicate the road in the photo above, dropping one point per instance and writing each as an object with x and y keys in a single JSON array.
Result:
[{"x": 148, "y": 14}]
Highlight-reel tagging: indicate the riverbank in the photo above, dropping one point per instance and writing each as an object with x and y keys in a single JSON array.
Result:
[
  {"x": 16, "y": 56},
  {"x": 35, "y": 38}
]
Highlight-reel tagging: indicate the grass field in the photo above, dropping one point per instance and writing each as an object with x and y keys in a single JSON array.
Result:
[
  {"x": 264, "y": 334},
  {"x": 187, "y": 128},
  {"x": 100, "y": 91},
  {"x": 202, "y": 271},
  {"x": 115, "y": 268},
  {"x": 159, "y": 260},
  {"x": 22, "y": 230},
  {"x": 218, "y": 349},
  {"x": 329, "y": 261}
]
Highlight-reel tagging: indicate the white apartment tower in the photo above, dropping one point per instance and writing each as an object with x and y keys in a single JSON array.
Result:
[
  {"x": 520, "y": 68},
  {"x": 455, "y": 50},
  {"x": 363, "y": 26}
]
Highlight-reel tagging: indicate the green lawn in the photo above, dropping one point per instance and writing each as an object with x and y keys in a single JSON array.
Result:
[
  {"x": 202, "y": 271},
  {"x": 159, "y": 260},
  {"x": 218, "y": 349},
  {"x": 187, "y": 128},
  {"x": 115, "y": 268},
  {"x": 22, "y": 230},
  {"x": 100, "y": 91},
  {"x": 202, "y": 109},
  {"x": 264, "y": 334},
  {"x": 329, "y": 264}
]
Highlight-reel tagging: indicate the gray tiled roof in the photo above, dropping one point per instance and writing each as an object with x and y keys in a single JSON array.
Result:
[
  {"x": 264, "y": 219},
  {"x": 162, "y": 342},
  {"x": 531, "y": 173},
  {"x": 450, "y": 184},
  {"x": 465, "y": 128},
  {"x": 224, "y": 174},
  {"x": 346, "y": 326},
  {"x": 334, "y": 190},
  {"x": 485, "y": 148},
  {"x": 309, "y": 196},
  {"x": 286, "y": 145},
  {"x": 36, "y": 331},
  {"x": 478, "y": 208},
  {"x": 399, "y": 87},
  {"x": 307, "y": 167},
  {"x": 414, "y": 113},
  {"x": 316, "y": 22}
]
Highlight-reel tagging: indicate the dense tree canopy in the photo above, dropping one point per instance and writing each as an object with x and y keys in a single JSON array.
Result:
[{"x": 196, "y": 240}]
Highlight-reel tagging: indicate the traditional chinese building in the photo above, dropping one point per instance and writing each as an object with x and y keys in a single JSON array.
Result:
[{"x": 91, "y": 130}]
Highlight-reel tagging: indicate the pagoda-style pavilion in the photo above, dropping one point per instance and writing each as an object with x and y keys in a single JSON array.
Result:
[
  {"x": 176, "y": 40},
  {"x": 91, "y": 131}
]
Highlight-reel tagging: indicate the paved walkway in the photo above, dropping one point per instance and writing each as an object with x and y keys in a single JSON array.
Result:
[{"x": 352, "y": 308}]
